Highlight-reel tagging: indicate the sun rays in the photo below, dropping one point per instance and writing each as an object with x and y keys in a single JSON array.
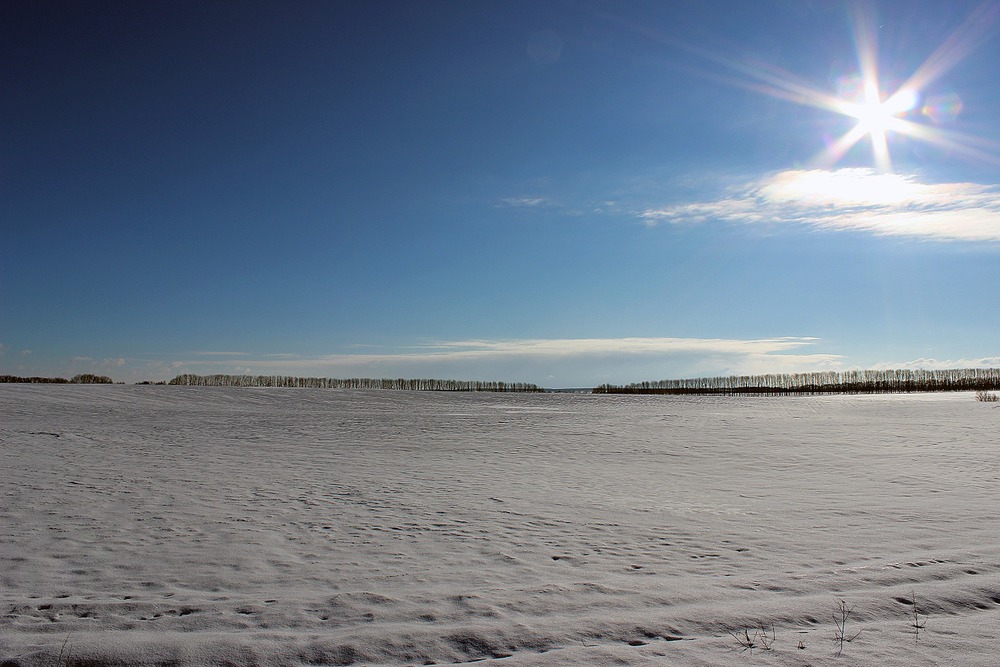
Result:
[
  {"x": 877, "y": 118},
  {"x": 880, "y": 115},
  {"x": 880, "y": 110}
]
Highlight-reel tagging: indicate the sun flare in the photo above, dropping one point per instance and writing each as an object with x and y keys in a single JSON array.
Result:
[
  {"x": 876, "y": 116},
  {"x": 880, "y": 110},
  {"x": 876, "y": 119},
  {"x": 880, "y": 116}
]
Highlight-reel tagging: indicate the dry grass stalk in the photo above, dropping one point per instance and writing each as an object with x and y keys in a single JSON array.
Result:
[
  {"x": 917, "y": 623},
  {"x": 840, "y": 617},
  {"x": 759, "y": 639}
]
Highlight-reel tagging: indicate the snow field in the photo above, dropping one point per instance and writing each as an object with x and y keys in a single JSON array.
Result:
[{"x": 187, "y": 526}]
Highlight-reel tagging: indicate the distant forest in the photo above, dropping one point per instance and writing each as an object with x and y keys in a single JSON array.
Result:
[
  {"x": 85, "y": 378},
  {"x": 352, "y": 383},
  {"x": 829, "y": 382},
  {"x": 775, "y": 384}
]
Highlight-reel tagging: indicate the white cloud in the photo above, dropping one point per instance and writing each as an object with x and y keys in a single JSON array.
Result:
[
  {"x": 855, "y": 200},
  {"x": 548, "y": 348},
  {"x": 213, "y": 353},
  {"x": 939, "y": 364},
  {"x": 600, "y": 346},
  {"x": 556, "y": 362},
  {"x": 529, "y": 202},
  {"x": 571, "y": 361}
]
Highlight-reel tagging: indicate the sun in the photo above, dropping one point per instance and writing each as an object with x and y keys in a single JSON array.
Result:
[
  {"x": 877, "y": 118},
  {"x": 881, "y": 112}
]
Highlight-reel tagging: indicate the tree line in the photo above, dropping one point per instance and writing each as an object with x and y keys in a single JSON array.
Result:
[
  {"x": 823, "y": 382},
  {"x": 83, "y": 378},
  {"x": 188, "y": 379}
]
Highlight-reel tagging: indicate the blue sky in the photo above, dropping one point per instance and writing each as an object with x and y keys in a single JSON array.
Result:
[{"x": 564, "y": 192}]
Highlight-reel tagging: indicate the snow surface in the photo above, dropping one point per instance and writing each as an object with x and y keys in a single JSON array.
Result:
[{"x": 150, "y": 525}]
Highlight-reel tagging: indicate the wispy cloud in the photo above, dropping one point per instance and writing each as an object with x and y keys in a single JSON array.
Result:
[
  {"x": 940, "y": 364},
  {"x": 573, "y": 361},
  {"x": 565, "y": 362},
  {"x": 525, "y": 202},
  {"x": 599, "y": 346},
  {"x": 100, "y": 363},
  {"x": 213, "y": 353},
  {"x": 550, "y": 348},
  {"x": 852, "y": 200}
]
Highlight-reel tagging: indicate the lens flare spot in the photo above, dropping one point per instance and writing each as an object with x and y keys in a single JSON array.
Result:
[{"x": 942, "y": 108}]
